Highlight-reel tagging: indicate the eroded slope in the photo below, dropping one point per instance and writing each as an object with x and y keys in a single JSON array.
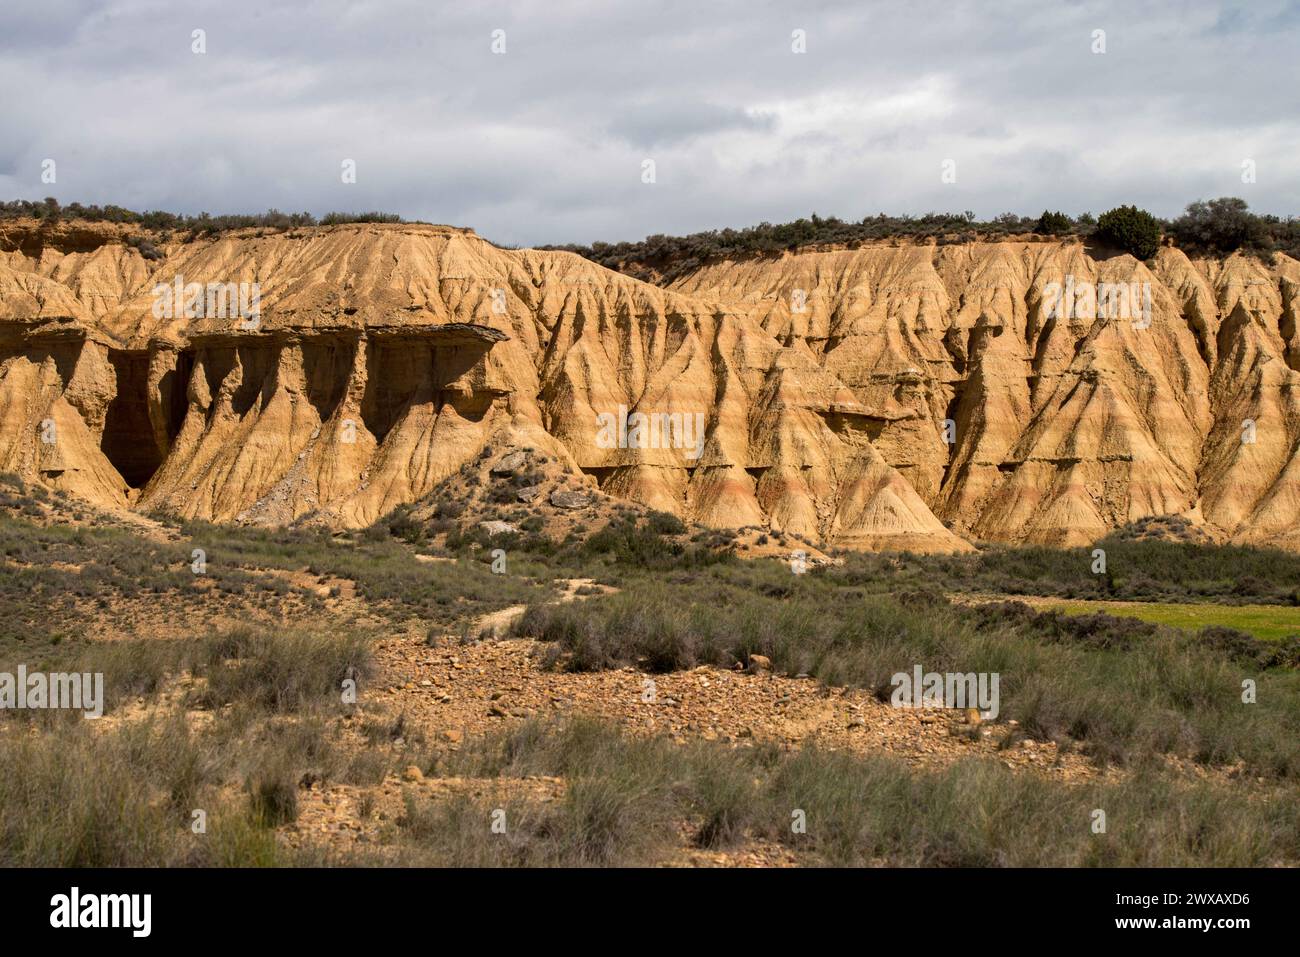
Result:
[
  {"x": 1063, "y": 424},
  {"x": 382, "y": 358}
]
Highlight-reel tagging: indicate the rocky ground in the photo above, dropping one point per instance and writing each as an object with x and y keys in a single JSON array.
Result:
[{"x": 449, "y": 691}]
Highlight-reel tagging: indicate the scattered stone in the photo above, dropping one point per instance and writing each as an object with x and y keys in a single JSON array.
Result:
[
  {"x": 570, "y": 498},
  {"x": 510, "y": 464},
  {"x": 527, "y": 495}
]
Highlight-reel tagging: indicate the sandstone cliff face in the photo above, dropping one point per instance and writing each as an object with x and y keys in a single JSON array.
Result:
[
  {"x": 807, "y": 393},
  {"x": 1064, "y": 423}
]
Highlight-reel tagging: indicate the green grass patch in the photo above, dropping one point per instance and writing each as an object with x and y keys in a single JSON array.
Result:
[{"x": 1269, "y": 622}]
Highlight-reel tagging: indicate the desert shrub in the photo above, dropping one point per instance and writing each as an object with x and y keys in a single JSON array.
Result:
[
  {"x": 860, "y": 810},
  {"x": 619, "y": 807},
  {"x": 1249, "y": 650},
  {"x": 1054, "y": 224},
  {"x": 401, "y": 525},
  {"x": 237, "y": 838},
  {"x": 280, "y": 670},
  {"x": 665, "y": 523},
  {"x": 977, "y": 813},
  {"x": 1248, "y": 586},
  {"x": 203, "y": 224},
  {"x": 501, "y": 494},
  {"x": 74, "y": 798},
  {"x": 277, "y": 668},
  {"x": 144, "y": 247},
  {"x": 1096, "y": 630},
  {"x": 1133, "y": 230},
  {"x": 272, "y": 799},
  {"x": 451, "y": 508},
  {"x": 334, "y": 219},
  {"x": 643, "y": 546},
  {"x": 1220, "y": 225},
  {"x": 79, "y": 795},
  {"x": 1137, "y": 569},
  {"x": 667, "y": 257}
]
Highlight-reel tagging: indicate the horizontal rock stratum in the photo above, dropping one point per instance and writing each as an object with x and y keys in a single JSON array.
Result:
[{"x": 890, "y": 397}]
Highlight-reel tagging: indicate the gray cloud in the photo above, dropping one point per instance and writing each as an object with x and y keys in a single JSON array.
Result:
[{"x": 546, "y": 142}]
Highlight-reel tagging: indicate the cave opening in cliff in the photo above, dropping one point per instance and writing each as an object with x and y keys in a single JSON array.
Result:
[
  {"x": 951, "y": 438},
  {"x": 327, "y": 365},
  {"x": 128, "y": 440},
  {"x": 601, "y": 473},
  {"x": 174, "y": 389},
  {"x": 950, "y": 413},
  {"x": 399, "y": 375},
  {"x": 405, "y": 373}
]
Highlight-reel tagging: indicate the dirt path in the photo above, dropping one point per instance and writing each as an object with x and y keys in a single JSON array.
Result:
[{"x": 496, "y": 624}]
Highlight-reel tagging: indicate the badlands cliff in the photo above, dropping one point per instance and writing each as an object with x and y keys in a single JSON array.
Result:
[{"x": 887, "y": 397}]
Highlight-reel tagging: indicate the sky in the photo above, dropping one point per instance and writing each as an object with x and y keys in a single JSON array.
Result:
[{"x": 536, "y": 122}]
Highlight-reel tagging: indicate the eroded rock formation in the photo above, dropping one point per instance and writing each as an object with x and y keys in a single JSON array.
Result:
[
  {"x": 827, "y": 385},
  {"x": 1065, "y": 423}
]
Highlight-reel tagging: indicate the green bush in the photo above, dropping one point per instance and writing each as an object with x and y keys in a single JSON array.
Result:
[
  {"x": 402, "y": 525},
  {"x": 1220, "y": 225},
  {"x": 144, "y": 247},
  {"x": 646, "y": 546},
  {"x": 665, "y": 523},
  {"x": 1054, "y": 224},
  {"x": 204, "y": 224},
  {"x": 1131, "y": 229}
]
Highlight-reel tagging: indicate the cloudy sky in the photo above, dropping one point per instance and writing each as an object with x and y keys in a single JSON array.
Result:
[{"x": 547, "y": 141}]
